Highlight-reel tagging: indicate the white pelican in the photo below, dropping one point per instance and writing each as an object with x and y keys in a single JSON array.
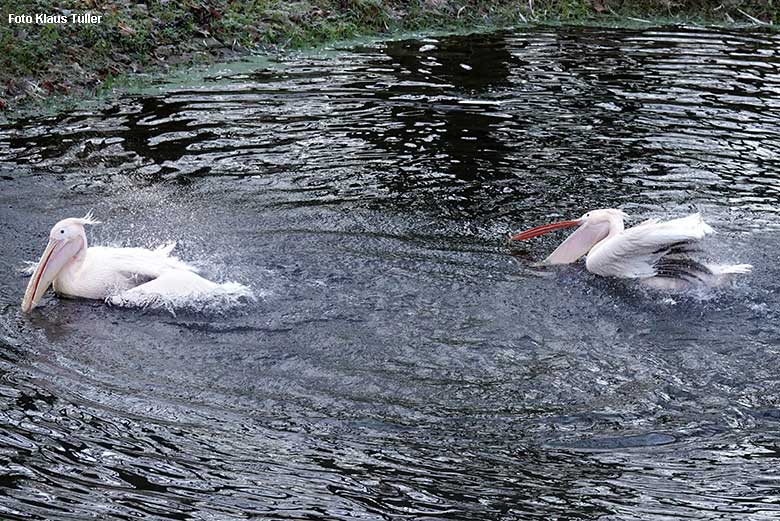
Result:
[
  {"x": 657, "y": 253},
  {"x": 115, "y": 274}
]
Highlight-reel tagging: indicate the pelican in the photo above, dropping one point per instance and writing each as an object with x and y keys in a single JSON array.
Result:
[
  {"x": 657, "y": 253},
  {"x": 114, "y": 274}
]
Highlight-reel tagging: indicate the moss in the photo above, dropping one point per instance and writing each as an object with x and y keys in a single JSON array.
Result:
[{"x": 39, "y": 59}]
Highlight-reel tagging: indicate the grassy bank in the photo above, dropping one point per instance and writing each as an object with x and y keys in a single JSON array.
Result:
[{"x": 41, "y": 59}]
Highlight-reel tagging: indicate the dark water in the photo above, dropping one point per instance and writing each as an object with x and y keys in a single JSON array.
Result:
[{"x": 401, "y": 361}]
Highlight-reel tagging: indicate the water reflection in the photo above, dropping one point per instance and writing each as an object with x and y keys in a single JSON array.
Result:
[{"x": 492, "y": 125}]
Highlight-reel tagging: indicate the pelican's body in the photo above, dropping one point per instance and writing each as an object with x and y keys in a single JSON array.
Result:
[
  {"x": 75, "y": 270},
  {"x": 656, "y": 252}
]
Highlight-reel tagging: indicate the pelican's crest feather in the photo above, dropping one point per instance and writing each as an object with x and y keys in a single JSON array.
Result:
[{"x": 88, "y": 219}]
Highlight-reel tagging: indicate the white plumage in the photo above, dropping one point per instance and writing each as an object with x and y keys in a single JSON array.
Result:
[
  {"x": 105, "y": 270},
  {"x": 137, "y": 275},
  {"x": 658, "y": 253},
  {"x": 635, "y": 252}
]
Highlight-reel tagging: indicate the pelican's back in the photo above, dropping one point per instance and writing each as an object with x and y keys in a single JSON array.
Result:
[{"x": 116, "y": 269}]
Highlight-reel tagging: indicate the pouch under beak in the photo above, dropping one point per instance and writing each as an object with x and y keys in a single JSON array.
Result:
[{"x": 54, "y": 258}]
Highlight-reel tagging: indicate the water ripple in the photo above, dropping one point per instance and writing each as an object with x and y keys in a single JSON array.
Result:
[{"x": 401, "y": 363}]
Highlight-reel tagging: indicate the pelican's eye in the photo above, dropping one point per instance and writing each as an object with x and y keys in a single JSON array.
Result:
[{"x": 62, "y": 232}]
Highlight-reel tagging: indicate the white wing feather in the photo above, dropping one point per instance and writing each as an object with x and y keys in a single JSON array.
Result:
[
  {"x": 178, "y": 288},
  {"x": 170, "y": 285},
  {"x": 634, "y": 252},
  {"x": 106, "y": 270},
  {"x": 138, "y": 261}
]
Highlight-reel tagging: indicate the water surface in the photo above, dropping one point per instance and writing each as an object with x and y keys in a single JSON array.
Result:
[{"x": 402, "y": 361}]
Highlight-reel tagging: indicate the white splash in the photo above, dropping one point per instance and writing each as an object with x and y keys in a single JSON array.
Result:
[
  {"x": 29, "y": 267},
  {"x": 215, "y": 298}
]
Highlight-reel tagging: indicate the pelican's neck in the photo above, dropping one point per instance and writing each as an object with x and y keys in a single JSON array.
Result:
[
  {"x": 82, "y": 253},
  {"x": 616, "y": 227},
  {"x": 71, "y": 270}
]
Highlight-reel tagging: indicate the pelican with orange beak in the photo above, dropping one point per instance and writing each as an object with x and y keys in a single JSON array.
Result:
[
  {"x": 115, "y": 274},
  {"x": 657, "y": 253}
]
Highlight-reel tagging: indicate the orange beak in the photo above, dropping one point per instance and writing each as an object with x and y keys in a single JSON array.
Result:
[{"x": 541, "y": 230}]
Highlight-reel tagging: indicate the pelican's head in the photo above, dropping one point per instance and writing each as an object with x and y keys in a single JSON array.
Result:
[
  {"x": 67, "y": 242},
  {"x": 594, "y": 226},
  {"x": 609, "y": 215}
]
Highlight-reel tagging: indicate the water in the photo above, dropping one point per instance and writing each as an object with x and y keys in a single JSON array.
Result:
[{"x": 402, "y": 361}]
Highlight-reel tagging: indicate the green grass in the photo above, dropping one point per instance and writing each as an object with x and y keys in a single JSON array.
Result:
[{"x": 38, "y": 60}]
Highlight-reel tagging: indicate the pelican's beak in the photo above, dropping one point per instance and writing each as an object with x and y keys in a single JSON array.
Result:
[
  {"x": 575, "y": 246},
  {"x": 541, "y": 230},
  {"x": 54, "y": 258}
]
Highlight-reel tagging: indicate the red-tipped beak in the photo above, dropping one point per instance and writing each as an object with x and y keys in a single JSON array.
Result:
[{"x": 541, "y": 230}]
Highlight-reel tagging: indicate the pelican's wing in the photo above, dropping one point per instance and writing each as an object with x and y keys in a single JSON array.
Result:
[
  {"x": 178, "y": 288},
  {"x": 651, "y": 249},
  {"x": 138, "y": 263},
  {"x": 170, "y": 286},
  {"x": 107, "y": 270}
]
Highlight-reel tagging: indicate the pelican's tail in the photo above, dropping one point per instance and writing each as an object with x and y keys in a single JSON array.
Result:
[
  {"x": 719, "y": 275},
  {"x": 730, "y": 269},
  {"x": 723, "y": 273}
]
